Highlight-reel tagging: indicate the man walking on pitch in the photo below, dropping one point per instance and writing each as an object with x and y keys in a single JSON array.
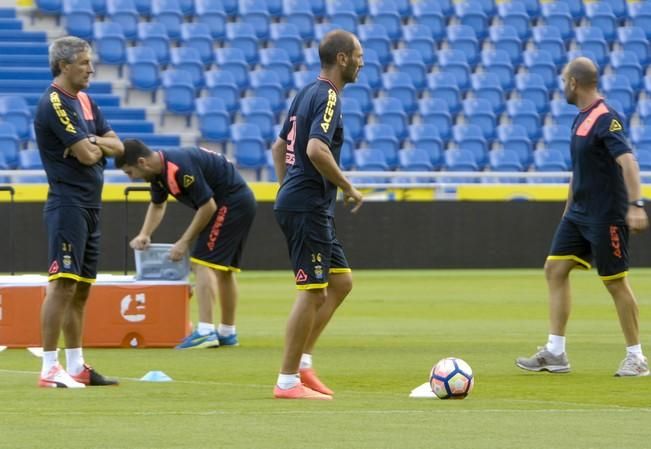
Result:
[
  {"x": 225, "y": 207},
  {"x": 604, "y": 204},
  {"x": 306, "y": 156},
  {"x": 73, "y": 140}
]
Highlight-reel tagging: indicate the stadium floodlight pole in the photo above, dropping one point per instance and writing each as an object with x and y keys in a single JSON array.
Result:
[
  {"x": 128, "y": 190},
  {"x": 12, "y": 192}
]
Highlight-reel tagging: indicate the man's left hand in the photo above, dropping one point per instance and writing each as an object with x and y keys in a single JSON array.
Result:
[
  {"x": 636, "y": 219},
  {"x": 178, "y": 251}
]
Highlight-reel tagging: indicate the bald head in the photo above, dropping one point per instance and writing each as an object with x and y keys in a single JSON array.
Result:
[
  {"x": 333, "y": 43},
  {"x": 584, "y": 71}
]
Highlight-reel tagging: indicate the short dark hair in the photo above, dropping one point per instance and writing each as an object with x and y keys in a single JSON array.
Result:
[
  {"x": 333, "y": 43},
  {"x": 133, "y": 150}
]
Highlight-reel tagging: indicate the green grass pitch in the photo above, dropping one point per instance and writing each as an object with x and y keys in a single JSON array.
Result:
[{"x": 381, "y": 344}]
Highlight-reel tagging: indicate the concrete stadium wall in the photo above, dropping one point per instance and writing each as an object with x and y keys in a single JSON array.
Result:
[{"x": 433, "y": 234}]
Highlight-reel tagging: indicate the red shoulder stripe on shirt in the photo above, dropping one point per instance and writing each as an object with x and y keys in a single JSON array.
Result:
[
  {"x": 86, "y": 106},
  {"x": 591, "y": 119},
  {"x": 172, "y": 169}
]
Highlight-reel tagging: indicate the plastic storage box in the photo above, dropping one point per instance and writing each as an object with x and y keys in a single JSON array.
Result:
[{"x": 154, "y": 264}]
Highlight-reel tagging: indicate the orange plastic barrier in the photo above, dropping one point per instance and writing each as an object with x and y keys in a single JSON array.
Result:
[{"x": 129, "y": 314}]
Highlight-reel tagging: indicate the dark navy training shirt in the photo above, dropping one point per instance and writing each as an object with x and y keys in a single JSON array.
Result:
[
  {"x": 62, "y": 119},
  {"x": 194, "y": 175},
  {"x": 314, "y": 113},
  {"x": 598, "y": 190}
]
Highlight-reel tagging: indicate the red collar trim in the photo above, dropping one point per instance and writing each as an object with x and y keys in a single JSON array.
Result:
[
  {"x": 320, "y": 78},
  {"x": 63, "y": 91},
  {"x": 595, "y": 103}
]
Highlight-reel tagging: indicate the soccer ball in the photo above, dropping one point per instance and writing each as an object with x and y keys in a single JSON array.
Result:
[{"x": 451, "y": 378}]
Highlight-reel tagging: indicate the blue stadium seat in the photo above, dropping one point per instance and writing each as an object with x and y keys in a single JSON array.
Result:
[
  {"x": 187, "y": 8},
  {"x": 346, "y": 155},
  {"x": 625, "y": 63},
  {"x": 256, "y": 13},
  {"x": 505, "y": 38},
  {"x": 170, "y": 14},
  {"x": 531, "y": 86},
  {"x": 304, "y": 77},
  {"x": 641, "y": 136},
  {"x": 79, "y": 18},
  {"x": 640, "y": 13},
  {"x": 444, "y": 85},
  {"x": 29, "y": 159},
  {"x": 514, "y": 14},
  {"x": 643, "y": 156},
  {"x": 287, "y": 37},
  {"x": 9, "y": 144},
  {"x": 498, "y": 62},
  {"x": 318, "y": 7},
  {"x": 549, "y": 38},
  {"x": 471, "y": 13},
  {"x": 312, "y": 60},
  {"x": 419, "y": 37},
  {"x": 434, "y": 113},
  {"x": 197, "y": 35},
  {"x": 600, "y": 15},
  {"x": 321, "y": 29},
  {"x": 354, "y": 118},
  {"x": 618, "y": 8},
  {"x": 258, "y": 111},
  {"x": 504, "y": 160},
  {"x": 143, "y": 7},
  {"x": 370, "y": 159},
  {"x": 558, "y": 14},
  {"x": 486, "y": 85},
  {"x": 144, "y": 70},
  {"x": 383, "y": 137},
  {"x": 546, "y": 160},
  {"x": 277, "y": 60},
  {"x": 275, "y": 8},
  {"x": 426, "y": 138},
  {"x": 299, "y": 13},
  {"x": 618, "y": 87},
  {"x": 404, "y": 7},
  {"x": 541, "y": 63},
  {"x": 643, "y": 110},
  {"x": 249, "y": 147},
  {"x": 125, "y": 13},
  {"x": 399, "y": 85},
  {"x": 411, "y": 63},
  {"x": 463, "y": 39},
  {"x": 50, "y": 7},
  {"x": 460, "y": 159},
  {"x": 634, "y": 39},
  {"x": 110, "y": 43},
  {"x": 179, "y": 92},
  {"x": 132, "y": 126},
  {"x": 385, "y": 13},
  {"x": 558, "y": 137},
  {"x": 231, "y": 7},
  {"x": 430, "y": 14},
  {"x": 592, "y": 39},
  {"x": 532, "y": 7},
  {"x": 189, "y": 60},
  {"x": 515, "y": 138},
  {"x": 221, "y": 84},
  {"x": 376, "y": 38},
  {"x": 242, "y": 36},
  {"x": 15, "y": 110},
  {"x": 390, "y": 111},
  {"x": 362, "y": 93},
  {"x": 213, "y": 14},
  {"x": 479, "y": 111},
  {"x": 342, "y": 13},
  {"x": 233, "y": 60},
  {"x": 266, "y": 84},
  {"x": 454, "y": 62},
  {"x": 214, "y": 120},
  {"x": 576, "y": 9},
  {"x": 154, "y": 35},
  {"x": 563, "y": 113},
  {"x": 372, "y": 69},
  {"x": 523, "y": 112},
  {"x": 578, "y": 52},
  {"x": 471, "y": 137},
  {"x": 414, "y": 159}
]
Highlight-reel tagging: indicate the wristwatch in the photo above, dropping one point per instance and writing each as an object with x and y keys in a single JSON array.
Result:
[
  {"x": 93, "y": 139},
  {"x": 637, "y": 203}
]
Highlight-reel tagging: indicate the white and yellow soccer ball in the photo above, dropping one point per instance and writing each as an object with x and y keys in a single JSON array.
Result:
[{"x": 451, "y": 378}]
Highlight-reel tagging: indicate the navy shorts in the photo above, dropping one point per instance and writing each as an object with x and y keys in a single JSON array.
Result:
[
  {"x": 313, "y": 247},
  {"x": 73, "y": 242},
  {"x": 607, "y": 243},
  {"x": 221, "y": 243}
]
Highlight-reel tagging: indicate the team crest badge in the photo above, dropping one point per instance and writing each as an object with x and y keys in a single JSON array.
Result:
[
  {"x": 187, "y": 180},
  {"x": 318, "y": 272},
  {"x": 615, "y": 126}
]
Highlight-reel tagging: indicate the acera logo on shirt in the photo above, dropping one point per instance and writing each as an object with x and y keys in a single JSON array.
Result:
[
  {"x": 187, "y": 180},
  {"x": 61, "y": 113},
  {"x": 329, "y": 110},
  {"x": 615, "y": 126}
]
